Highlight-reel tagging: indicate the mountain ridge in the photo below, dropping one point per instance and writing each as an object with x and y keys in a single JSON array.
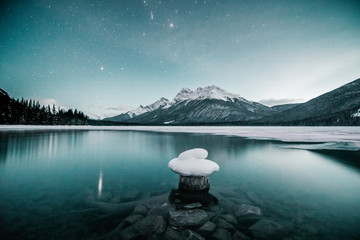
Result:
[
  {"x": 213, "y": 105},
  {"x": 334, "y": 107},
  {"x": 198, "y": 106}
]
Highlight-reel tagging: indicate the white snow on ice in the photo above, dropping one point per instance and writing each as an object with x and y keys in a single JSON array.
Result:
[
  {"x": 356, "y": 114},
  {"x": 193, "y": 163},
  {"x": 345, "y": 138}
]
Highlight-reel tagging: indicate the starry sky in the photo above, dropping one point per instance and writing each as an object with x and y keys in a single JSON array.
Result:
[{"x": 105, "y": 57}]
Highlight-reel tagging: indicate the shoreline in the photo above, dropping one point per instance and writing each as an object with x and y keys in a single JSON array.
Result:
[{"x": 309, "y": 138}]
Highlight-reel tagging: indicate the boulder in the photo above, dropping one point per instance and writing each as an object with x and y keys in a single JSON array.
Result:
[
  {"x": 130, "y": 220},
  {"x": 130, "y": 195},
  {"x": 171, "y": 234},
  {"x": 229, "y": 218},
  {"x": 191, "y": 235},
  {"x": 192, "y": 217},
  {"x": 221, "y": 223},
  {"x": 267, "y": 229},
  {"x": 192, "y": 205},
  {"x": 150, "y": 227},
  {"x": 240, "y": 236},
  {"x": 140, "y": 209},
  {"x": 162, "y": 210},
  {"x": 207, "y": 228},
  {"x": 245, "y": 209},
  {"x": 221, "y": 234}
]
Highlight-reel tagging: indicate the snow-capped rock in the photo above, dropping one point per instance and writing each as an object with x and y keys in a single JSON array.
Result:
[
  {"x": 193, "y": 169},
  {"x": 193, "y": 163}
]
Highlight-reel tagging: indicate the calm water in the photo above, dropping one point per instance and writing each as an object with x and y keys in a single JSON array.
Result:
[{"x": 46, "y": 177}]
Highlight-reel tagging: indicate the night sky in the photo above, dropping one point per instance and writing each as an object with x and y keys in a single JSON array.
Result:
[{"x": 104, "y": 57}]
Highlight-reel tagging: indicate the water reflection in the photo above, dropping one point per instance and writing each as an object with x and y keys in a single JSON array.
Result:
[
  {"x": 100, "y": 183},
  {"x": 28, "y": 147},
  {"x": 47, "y": 174}
]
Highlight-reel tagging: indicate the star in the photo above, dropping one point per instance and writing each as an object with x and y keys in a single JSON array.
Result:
[
  {"x": 101, "y": 68},
  {"x": 171, "y": 25}
]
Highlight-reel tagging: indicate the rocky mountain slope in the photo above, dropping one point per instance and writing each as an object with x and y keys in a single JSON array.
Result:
[
  {"x": 338, "y": 107},
  {"x": 213, "y": 105},
  {"x": 204, "y": 105}
]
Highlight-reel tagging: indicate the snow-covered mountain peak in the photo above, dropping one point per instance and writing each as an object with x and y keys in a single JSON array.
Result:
[
  {"x": 209, "y": 92},
  {"x": 183, "y": 95},
  {"x": 161, "y": 103},
  {"x": 197, "y": 106}
]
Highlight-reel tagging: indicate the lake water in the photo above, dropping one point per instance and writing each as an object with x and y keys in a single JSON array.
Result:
[{"x": 47, "y": 178}]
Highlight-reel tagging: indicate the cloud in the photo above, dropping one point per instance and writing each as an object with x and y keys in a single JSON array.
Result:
[
  {"x": 101, "y": 112},
  {"x": 50, "y": 101},
  {"x": 47, "y": 101},
  {"x": 272, "y": 102}
]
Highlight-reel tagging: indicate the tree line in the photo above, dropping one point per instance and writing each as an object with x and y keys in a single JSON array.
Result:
[{"x": 15, "y": 111}]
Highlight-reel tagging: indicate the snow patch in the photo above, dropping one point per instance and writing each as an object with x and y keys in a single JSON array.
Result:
[
  {"x": 193, "y": 153},
  {"x": 356, "y": 114},
  {"x": 210, "y": 92},
  {"x": 161, "y": 103}
]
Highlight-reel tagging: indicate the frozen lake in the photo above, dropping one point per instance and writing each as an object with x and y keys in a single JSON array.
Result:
[{"x": 306, "y": 179}]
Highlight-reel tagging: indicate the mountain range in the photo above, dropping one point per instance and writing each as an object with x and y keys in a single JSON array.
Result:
[{"x": 213, "y": 105}]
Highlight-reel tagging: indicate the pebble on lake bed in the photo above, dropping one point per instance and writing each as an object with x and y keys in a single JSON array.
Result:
[{"x": 193, "y": 169}]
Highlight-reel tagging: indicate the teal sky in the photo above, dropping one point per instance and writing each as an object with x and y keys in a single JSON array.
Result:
[{"x": 104, "y": 57}]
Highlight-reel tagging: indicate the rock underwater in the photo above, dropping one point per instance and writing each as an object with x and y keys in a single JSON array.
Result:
[{"x": 191, "y": 212}]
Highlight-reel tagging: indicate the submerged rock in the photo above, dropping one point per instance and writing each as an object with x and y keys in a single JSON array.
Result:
[
  {"x": 132, "y": 219},
  {"x": 193, "y": 205},
  {"x": 162, "y": 210},
  {"x": 191, "y": 235},
  {"x": 221, "y": 223},
  {"x": 130, "y": 195},
  {"x": 207, "y": 228},
  {"x": 183, "y": 218},
  {"x": 221, "y": 234},
  {"x": 140, "y": 209},
  {"x": 229, "y": 218},
  {"x": 246, "y": 209},
  {"x": 150, "y": 227},
  {"x": 193, "y": 169},
  {"x": 240, "y": 236},
  {"x": 171, "y": 234},
  {"x": 267, "y": 229}
]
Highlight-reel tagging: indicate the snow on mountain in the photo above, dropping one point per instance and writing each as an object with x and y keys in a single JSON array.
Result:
[
  {"x": 337, "y": 107},
  {"x": 356, "y": 114},
  {"x": 161, "y": 103},
  {"x": 210, "y": 92},
  {"x": 208, "y": 104}
]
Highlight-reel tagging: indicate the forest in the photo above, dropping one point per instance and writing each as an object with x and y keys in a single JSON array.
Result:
[{"x": 30, "y": 112}]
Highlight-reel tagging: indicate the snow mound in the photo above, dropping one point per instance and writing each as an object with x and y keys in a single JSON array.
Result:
[
  {"x": 193, "y": 163},
  {"x": 193, "y": 153}
]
